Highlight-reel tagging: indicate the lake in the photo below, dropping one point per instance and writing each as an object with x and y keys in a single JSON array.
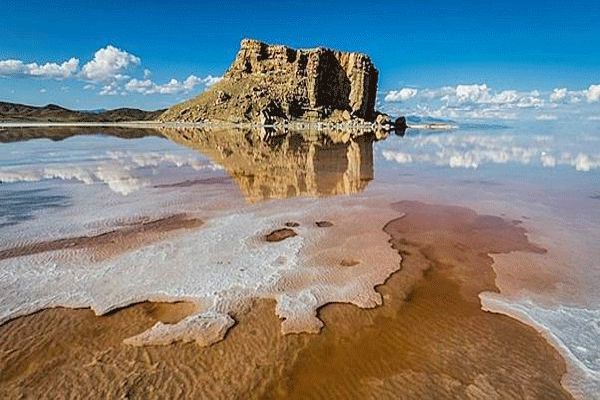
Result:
[{"x": 215, "y": 263}]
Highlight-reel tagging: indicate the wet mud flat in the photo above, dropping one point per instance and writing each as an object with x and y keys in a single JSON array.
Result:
[{"x": 429, "y": 340}]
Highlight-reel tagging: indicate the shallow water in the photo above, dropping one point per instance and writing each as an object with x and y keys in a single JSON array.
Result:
[{"x": 82, "y": 225}]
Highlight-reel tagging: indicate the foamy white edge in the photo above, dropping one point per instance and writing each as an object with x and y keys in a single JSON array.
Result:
[{"x": 579, "y": 380}]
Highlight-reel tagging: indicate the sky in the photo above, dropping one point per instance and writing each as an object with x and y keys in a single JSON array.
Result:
[{"x": 466, "y": 59}]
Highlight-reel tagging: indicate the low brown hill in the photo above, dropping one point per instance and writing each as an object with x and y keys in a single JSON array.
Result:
[{"x": 10, "y": 112}]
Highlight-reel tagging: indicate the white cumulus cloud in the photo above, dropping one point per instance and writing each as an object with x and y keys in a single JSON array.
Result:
[
  {"x": 466, "y": 101},
  {"x": 107, "y": 73},
  {"x": 564, "y": 95},
  {"x": 112, "y": 89},
  {"x": 472, "y": 93},
  {"x": 558, "y": 94},
  {"x": 400, "y": 95},
  {"x": 593, "y": 93},
  {"x": 174, "y": 86},
  {"x": 49, "y": 70},
  {"x": 109, "y": 64},
  {"x": 211, "y": 80}
]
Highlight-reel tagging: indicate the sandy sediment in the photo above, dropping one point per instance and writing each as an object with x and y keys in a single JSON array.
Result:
[{"x": 429, "y": 340}]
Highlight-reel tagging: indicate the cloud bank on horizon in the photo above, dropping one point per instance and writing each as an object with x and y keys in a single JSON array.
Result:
[
  {"x": 107, "y": 73},
  {"x": 115, "y": 72},
  {"x": 479, "y": 101}
]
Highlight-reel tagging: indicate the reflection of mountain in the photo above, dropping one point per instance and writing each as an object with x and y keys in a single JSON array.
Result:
[
  {"x": 8, "y": 135},
  {"x": 267, "y": 166}
]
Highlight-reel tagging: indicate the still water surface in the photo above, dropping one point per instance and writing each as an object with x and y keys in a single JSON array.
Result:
[{"x": 105, "y": 219}]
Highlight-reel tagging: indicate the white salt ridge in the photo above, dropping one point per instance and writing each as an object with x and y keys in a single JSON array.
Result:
[
  {"x": 226, "y": 262},
  {"x": 204, "y": 329},
  {"x": 574, "y": 331}
]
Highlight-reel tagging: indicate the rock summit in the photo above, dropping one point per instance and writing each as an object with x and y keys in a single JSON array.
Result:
[{"x": 272, "y": 84}]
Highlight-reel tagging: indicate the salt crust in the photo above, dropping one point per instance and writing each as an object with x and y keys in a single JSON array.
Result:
[
  {"x": 205, "y": 329},
  {"x": 224, "y": 263}
]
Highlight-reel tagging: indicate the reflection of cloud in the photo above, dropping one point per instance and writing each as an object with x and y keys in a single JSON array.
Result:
[
  {"x": 154, "y": 159},
  {"x": 472, "y": 151},
  {"x": 117, "y": 179},
  {"x": 24, "y": 175},
  {"x": 583, "y": 162},
  {"x": 398, "y": 156},
  {"x": 546, "y": 117},
  {"x": 548, "y": 160},
  {"x": 112, "y": 175},
  {"x": 116, "y": 174}
]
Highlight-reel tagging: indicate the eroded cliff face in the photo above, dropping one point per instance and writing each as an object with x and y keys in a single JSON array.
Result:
[{"x": 272, "y": 83}]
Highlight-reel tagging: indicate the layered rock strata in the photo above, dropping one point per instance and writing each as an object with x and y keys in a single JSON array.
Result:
[{"x": 272, "y": 84}]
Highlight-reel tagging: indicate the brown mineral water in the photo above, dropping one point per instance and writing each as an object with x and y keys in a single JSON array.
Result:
[{"x": 430, "y": 339}]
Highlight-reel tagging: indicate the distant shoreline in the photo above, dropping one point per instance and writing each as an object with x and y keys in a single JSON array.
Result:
[
  {"x": 77, "y": 124},
  {"x": 157, "y": 124}
]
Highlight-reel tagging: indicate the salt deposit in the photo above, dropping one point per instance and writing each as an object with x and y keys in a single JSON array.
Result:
[{"x": 225, "y": 262}]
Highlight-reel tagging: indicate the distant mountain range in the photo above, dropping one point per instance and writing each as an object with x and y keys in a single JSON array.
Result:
[{"x": 10, "y": 112}]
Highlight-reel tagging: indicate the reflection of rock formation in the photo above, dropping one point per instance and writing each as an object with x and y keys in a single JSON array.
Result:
[{"x": 269, "y": 166}]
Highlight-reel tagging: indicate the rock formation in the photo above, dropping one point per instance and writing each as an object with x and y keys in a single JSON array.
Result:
[{"x": 271, "y": 83}]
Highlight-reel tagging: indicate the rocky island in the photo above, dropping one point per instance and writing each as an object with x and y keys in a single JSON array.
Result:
[{"x": 275, "y": 84}]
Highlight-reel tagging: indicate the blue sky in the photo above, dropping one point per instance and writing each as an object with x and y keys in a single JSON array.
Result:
[{"x": 420, "y": 45}]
